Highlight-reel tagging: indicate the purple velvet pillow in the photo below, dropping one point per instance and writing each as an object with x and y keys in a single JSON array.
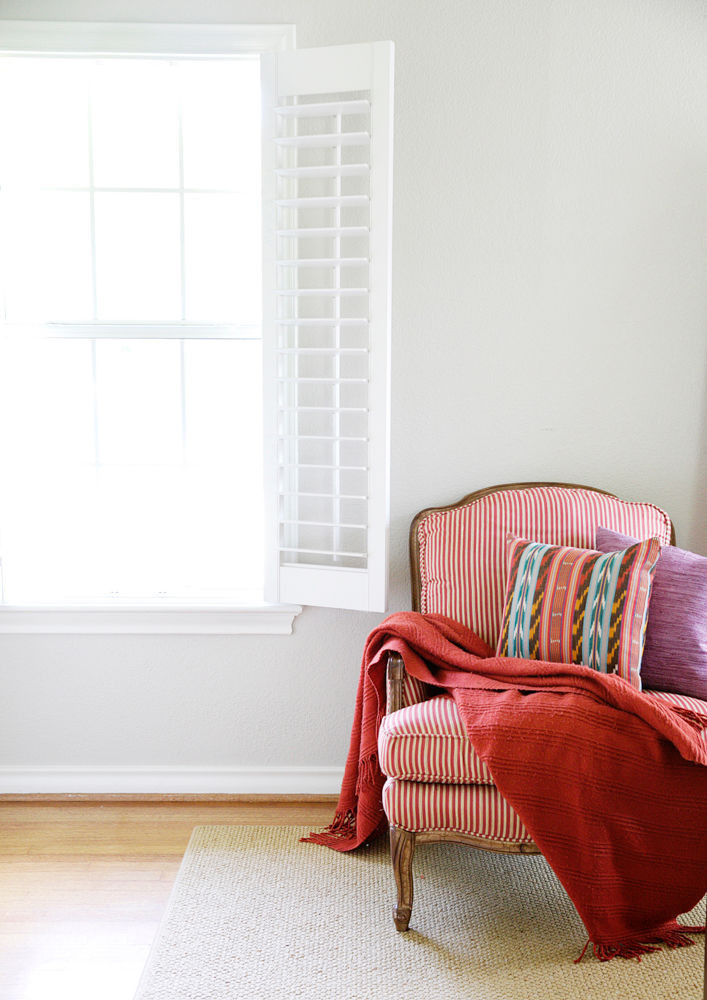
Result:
[{"x": 675, "y": 654}]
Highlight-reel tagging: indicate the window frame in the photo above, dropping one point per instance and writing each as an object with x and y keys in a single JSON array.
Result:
[{"x": 148, "y": 39}]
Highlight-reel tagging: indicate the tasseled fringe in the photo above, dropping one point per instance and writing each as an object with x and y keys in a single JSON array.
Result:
[
  {"x": 343, "y": 825},
  {"x": 675, "y": 938},
  {"x": 368, "y": 771},
  {"x": 696, "y": 721},
  {"x": 678, "y": 937},
  {"x": 605, "y": 952}
]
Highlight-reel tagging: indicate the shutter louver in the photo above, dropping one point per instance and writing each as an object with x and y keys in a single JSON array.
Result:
[{"x": 327, "y": 156}]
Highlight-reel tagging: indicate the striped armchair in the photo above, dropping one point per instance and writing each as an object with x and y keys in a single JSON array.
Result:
[{"x": 437, "y": 789}]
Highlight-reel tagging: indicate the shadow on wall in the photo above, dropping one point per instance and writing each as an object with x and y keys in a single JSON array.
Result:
[{"x": 699, "y": 502}]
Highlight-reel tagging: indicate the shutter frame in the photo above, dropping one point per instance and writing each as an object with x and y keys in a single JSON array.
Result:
[{"x": 299, "y": 571}]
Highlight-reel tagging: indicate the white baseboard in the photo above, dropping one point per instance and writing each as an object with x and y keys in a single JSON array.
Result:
[{"x": 171, "y": 780}]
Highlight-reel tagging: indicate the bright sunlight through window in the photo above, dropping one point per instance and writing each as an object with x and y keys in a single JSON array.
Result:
[{"x": 130, "y": 386}]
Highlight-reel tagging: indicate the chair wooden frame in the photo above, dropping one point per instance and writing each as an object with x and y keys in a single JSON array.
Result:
[{"x": 403, "y": 842}]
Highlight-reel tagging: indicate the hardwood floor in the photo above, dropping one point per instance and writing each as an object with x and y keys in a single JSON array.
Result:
[{"x": 83, "y": 886}]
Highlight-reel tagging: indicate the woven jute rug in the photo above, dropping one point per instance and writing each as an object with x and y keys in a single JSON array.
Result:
[{"x": 255, "y": 913}]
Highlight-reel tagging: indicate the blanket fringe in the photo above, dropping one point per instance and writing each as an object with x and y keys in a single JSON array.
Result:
[
  {"x": 342, "y": 826},
  {"x": 675, "y": 938},
  {"x": 368, "y": 771},
  {"x": 696, "y": 721}
]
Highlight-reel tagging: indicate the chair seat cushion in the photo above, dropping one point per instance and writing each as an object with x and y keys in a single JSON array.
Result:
[
  {"x": 427, "y": 742},
  {"x": 477, "y": 810}
]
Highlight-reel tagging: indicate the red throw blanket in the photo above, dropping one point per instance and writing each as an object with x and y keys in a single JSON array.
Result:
[{"x": 611, "y": 784}]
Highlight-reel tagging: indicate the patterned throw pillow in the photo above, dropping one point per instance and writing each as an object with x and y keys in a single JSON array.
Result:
[{"x": 579, "y": 606}]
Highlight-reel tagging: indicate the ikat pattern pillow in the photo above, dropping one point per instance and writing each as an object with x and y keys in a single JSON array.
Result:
[{"x": 578, "y": 606}]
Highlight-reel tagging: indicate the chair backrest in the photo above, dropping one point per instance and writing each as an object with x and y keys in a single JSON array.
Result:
[{"x": 458, "y": 553}]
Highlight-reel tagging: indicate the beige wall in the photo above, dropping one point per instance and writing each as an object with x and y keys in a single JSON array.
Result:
[{"x": 549, "y": 321}]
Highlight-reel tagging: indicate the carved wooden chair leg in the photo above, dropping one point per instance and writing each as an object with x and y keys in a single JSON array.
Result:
[{"x": 402, "y": 848}]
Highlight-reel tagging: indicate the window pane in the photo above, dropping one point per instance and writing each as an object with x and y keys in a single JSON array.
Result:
[
  {"x": 43, "y": 122},
  {"x": 226, "y": 553},
  {"x": 138, "y": 391},
  {"x": 141, "y": 553},
  {"x": 134, "y": 123},
  {"x": 178, "y": 532},
  {"x": 50, "y": 531},
  {"x": 138, "y": 257},
  {"x": 223, "y": 389},
  {"x": 46, "y": 256},
  {"x": 221, "y": 124},
  {"x": 46, "y": 403},
  {"x": 73, "y": 530},
  {"x": 222, "y": 257},
  {"x": 224, "y": 450}
]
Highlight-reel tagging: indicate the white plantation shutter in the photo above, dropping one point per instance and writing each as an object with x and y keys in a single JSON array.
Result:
[{"x": 327, "y": 171}]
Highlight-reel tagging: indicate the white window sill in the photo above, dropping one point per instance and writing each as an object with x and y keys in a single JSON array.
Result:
[{"x": 172, "y": 619}]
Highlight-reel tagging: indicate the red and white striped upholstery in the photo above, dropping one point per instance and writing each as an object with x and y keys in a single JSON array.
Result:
[
  {"x": 463, "y": 561},
  {"x": 444, "y": 800},
  {"x": 428, "y": 742},
  {"x": 478, "y": 810},
  {"x": 414, "y": 691}
]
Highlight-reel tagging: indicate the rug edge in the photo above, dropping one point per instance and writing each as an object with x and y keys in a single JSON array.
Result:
[{"x": 195, "y": 833}]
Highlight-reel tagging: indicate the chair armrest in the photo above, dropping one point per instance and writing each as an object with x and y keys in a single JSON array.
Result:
[
  {"x": 394, "y": 678},
  {"x": 401, "y": 688}
]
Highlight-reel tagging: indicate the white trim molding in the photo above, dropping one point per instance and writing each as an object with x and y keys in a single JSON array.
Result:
[
  {"x": 115, "y": 38},
  {"x": 170, "y": 780},
  {"x": 262, "y": 619}
]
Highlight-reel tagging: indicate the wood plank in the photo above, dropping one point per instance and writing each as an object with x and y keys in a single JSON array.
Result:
[
  {"x": 153, "y": 797},
  {"x": 84, "y": 883}
]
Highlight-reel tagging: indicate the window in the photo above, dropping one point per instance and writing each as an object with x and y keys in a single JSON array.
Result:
[
  {"x": 130, "y": 379},
  {"x": 131, "y": 228}
]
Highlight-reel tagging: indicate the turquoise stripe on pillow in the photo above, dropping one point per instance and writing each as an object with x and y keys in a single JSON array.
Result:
[{"x": 529, "y": 563}]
